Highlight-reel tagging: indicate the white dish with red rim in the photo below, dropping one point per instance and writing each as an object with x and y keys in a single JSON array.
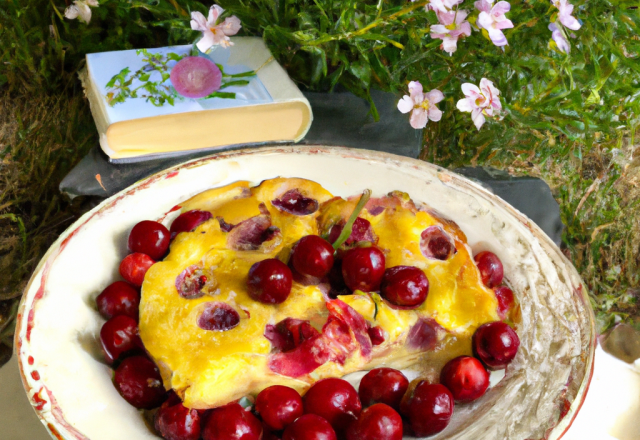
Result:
[{"x": 58, "y": 326}]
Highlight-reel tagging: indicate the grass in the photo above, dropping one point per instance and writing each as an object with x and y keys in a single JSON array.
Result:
[{"x": 568, "y": 119}]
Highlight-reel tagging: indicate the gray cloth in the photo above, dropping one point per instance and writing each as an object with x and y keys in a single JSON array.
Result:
[{"x": 340, "y": 119}]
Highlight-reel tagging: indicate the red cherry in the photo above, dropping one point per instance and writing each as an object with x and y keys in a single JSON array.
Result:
[
  {"x": 430, "y": 409},
  {"x": 218, "y": 316},
  {"x": 466, "y": 378},
  {"x": 119, "y": 298},
  {"x": 269, "y": 281},
  {"x": 138, "y": 381},
  {"x": 383, "y": 385},
  {"x": 313, "y": 256},
  {"x": 405, "y": 286},
  {"x": 279, "y": 406},
  {"x": 378, "y": 422},
  {"x": 232, "y": 422},
  {"x": 151, "y": 238},
  {"x": 174, "y": 421},
  {"x": 376, "y": 334},
  {"x": 436, "y": 244},
  {"x": 363, "y": 268},
  {"x": 490, "y": 268},
  {"x": 361, "y": 230},
  {"x": 336, "y": 280},
  {"x": 270, "y": 435},
  {"x": 134, "y": 267},
  {"x": 335, "y": 400},
  {"x": 504, "y": 295},
  {"x": 188, "y": 221},
  {"x": 119, "y": 336},
  {"x": 309, "y": 427},
  {"x": 294, "y": 202},
  {"x": 496, "y": 344}
]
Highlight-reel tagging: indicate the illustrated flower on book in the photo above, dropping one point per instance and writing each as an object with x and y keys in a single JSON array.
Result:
[
  {"x": 213, "y": 32},
  {"x": 165, "y": 78},
  {"x": 453, "y": 26},
  {"x": 493, "y": 20},
  {"x": 563, "y": 20},
  {"x": 81, "y": 9},
  {"x": 421, "y": 105},
  {"x": 481, "y": 102}
]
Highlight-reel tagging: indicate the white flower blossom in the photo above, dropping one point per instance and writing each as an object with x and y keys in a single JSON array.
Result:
[{"x": 81, "y": 9}]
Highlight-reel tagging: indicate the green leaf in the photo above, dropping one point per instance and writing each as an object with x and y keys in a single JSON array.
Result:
[
  {"x": 234, "y": 83},
  {"x": 361, "y": 70}
]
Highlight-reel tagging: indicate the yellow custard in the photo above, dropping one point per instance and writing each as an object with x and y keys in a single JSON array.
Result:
[{"x": 209, "y": 368}]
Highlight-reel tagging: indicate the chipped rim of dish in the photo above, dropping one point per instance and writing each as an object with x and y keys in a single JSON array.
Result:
[{"x": 44, "y": 402}]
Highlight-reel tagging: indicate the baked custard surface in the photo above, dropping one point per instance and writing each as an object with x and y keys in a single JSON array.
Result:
[{"x": 210, "y": 368}]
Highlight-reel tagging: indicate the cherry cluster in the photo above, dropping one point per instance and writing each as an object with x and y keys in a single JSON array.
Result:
[
  {"x": 331, "y": 408},
  {"x": 136, "y": 377},
  {"x": 313, "y": 259}
]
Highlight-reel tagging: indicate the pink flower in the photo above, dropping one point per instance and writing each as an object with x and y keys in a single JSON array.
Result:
[
  {"x": 481, "y": 102},
  {"x": 492, "y": 19},
  {"x": 558, "y": 36},
  {"x": 421, "y": 105},
  {"x": 565, "y": 9},
  {"x": 442, "y": 5},
  {"x": 214, "y": 33},
  {"x": 81, "y": 10},
  {"x": 453, "y": 26}
]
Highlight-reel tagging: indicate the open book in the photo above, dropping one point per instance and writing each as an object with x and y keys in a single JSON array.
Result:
[{"x": 139, "y": 115}]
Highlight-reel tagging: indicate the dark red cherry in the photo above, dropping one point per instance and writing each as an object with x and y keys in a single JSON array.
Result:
[
  {"x": 425, "y": 334},
  {"x": 151, "y": 238},
  {"x": 378, "y": 422},
  {"x": 336, "y": 280},
  {"x": 279, "y": 406},
  {"x": 295, "y": 203},
  {"x": 363, "y": 268},
  {"x": 504, "y": 295},
  {"x": 430, "y": 409},
  {"x": 269, "y": 281},
  {"x": 376, "y": 334},
  {"x": 188, "y": 221},
  {"x": 174, "y": 421},
  {"x": 138, "y": 381},
  {"x": 496, "y": 344},
  {"x": 466, "y": 378},
  {"x": 313, "y": 256},
  {"x": 119, "y": 336},
  {"x": 218, "y": 316},
  {"x": 405, "y": 286},
  {"x": 335, "y": 400},
  {"x": 232, "y": 422},
  {"x": 119, "y": 298},
  {"x": 383, "y": 385},
  {"x": 309, "y": 427},
  {"x": 490, "y": 268},
  {"x": 134, "y": 266},
  {"x": 361, "y": 230},
  {"x": 436, "y": 244},
  {"x": 289, "y": 334}
]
